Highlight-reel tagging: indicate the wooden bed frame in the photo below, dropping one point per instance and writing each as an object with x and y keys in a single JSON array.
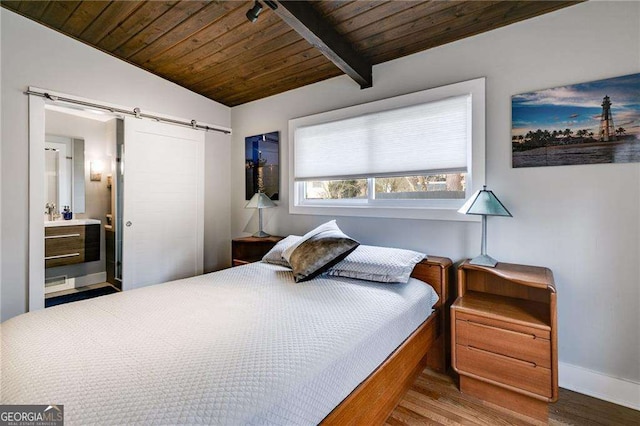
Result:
[{"x": 428, "y": 346}]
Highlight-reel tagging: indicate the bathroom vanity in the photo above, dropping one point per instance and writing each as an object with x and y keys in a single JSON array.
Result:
[{"x": 67, "y": 242}]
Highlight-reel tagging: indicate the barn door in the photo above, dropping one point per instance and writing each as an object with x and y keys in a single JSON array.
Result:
[{"x": 163, "y": 206}]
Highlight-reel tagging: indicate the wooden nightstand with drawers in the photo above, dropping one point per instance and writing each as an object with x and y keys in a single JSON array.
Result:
[
  {"x": 251, "y": 249},
  {"x": 504, "y": 336}
]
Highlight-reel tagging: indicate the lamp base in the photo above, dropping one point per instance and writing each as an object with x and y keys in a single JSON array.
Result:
[
  {"x": 484, "y": 260},
  {"x": 261, "y": 234}
]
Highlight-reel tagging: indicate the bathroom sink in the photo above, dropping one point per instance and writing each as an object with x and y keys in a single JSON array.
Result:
[{"x": 72, "y": 222}]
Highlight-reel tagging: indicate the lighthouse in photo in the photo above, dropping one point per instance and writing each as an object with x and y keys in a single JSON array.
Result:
[{"x": 607, "y": 129}]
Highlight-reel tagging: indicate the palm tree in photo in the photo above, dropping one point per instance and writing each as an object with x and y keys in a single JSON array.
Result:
[
  {"x": 567, "y": 133},
  {"x": 529, "y": 136},
  {"x": 620, "y": 131}
]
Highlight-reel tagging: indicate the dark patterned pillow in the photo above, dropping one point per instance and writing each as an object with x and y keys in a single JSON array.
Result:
[{"x": 319, "y": 250}]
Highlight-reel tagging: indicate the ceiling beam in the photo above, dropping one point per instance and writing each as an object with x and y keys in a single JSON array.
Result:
[{"x": 307, "y": 22}]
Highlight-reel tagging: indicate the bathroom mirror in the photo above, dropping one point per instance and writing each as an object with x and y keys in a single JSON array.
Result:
[{"x": 64, "y": 173}]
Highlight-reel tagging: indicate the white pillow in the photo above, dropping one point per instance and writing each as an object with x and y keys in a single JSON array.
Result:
[
  {"x": 274, "y": 256},
  {"x": 381, "y": 264}
]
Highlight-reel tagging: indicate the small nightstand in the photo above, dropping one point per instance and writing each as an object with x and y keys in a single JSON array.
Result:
[
  {"x": 251, "y": 249},
  {"x": 504, "y": 336}
]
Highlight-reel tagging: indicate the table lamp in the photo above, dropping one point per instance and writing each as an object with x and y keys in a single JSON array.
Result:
[
  {"x": 485, "y": 203},
  {"x": 260, "y": 201}
]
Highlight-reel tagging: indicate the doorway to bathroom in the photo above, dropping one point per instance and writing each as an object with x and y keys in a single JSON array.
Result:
[{"x": 80, "y": 204}]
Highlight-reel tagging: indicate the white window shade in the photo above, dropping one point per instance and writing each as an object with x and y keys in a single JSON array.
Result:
[{"x": 427, "y": 138}]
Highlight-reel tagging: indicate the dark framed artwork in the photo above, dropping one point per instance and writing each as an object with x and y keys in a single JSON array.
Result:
[
  {"x": 262, "y": 165},
  {"x": 587, "y": 123}
]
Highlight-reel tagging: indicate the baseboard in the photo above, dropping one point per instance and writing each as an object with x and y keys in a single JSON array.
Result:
[
  {"x": 54, "y": 284},
  {"x": 75, "y": 282},
  {"x": 599, "y": 385},
  {"x": 86, "y": 280}
]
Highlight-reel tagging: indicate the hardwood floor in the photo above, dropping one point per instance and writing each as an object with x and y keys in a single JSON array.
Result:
[{"x": 434, "y": 399}]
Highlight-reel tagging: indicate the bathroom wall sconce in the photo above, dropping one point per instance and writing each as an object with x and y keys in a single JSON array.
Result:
[{"x": 95, "y": 171}]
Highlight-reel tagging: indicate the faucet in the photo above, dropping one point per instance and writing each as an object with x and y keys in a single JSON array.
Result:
[{"x": 50, "y": 209}]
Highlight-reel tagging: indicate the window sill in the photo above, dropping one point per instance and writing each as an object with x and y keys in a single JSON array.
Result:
[{"x": 424, "y": 213}]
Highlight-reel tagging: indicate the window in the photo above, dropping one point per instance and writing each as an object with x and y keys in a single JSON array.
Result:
[{"x": 417, "y": 156}]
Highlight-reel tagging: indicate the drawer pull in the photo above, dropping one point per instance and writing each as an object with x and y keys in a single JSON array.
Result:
[
  {"x": 61, "y": 256},
  {"x": 533, "y": 336},
  {"x": 528, "y": 363},
  {"x": 61, "y": 236}
]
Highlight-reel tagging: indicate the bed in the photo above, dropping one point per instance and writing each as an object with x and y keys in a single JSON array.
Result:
[{"x": 245, "y": 345}]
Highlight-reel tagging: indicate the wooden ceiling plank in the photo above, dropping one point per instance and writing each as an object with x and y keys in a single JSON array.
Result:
[
  {"x": 134, "y": 23},
  {"x": 58, "y": 12},
  {"x": 220, "y": 74},
  {"x": 230, "y": 59},
  {"x": 182, "y": 31},
  {"x": 12, "y": 5},
  {"x": 230, "y": 45},
  {"x": 285, "y": 84},
  {"x": 273, "y": 69},
  {"x": 468, "y": 14},
  {"x": 325, "y": 7},
  {"x": 304, "y": 19},
  {"x": 32, "y": 9},
  {"x": 383, "y": 14},
  {"x": 243, "y": 67},
  {"x": 272, "y": 75},
  {"x": 500, "y": 15},
  {"x": 83, "y": 16},
  {"x": 464, "y": 26},
  {"x": 346, "y": 10},
  {"x": 375, "y": 23},
  {"x": 112, "y": 16},
  {"x": 169, "y": 20},
  {"x": 212, "y": 38},
  {"x": 419, "y": 25}
]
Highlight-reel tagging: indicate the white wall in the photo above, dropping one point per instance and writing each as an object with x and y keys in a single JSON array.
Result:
[
  {"x": 581, "y": 221},
  {"x": 33, "y": 55}
]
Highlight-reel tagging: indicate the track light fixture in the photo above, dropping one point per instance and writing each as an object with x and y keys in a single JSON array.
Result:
[{"x": 252, "y": 14}]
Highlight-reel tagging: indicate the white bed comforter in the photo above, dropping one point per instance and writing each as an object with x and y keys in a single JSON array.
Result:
[{"x": 241, "y": 346}]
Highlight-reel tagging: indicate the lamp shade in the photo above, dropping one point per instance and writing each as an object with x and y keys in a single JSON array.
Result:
[
  {"x": 260, "y": 201},
  {"x": 484, "y": 202}
]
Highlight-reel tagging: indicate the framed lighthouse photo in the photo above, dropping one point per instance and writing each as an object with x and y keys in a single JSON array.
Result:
[
  {"x": 262, "y": 165},
  {"x": 587, "y": 123}
]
